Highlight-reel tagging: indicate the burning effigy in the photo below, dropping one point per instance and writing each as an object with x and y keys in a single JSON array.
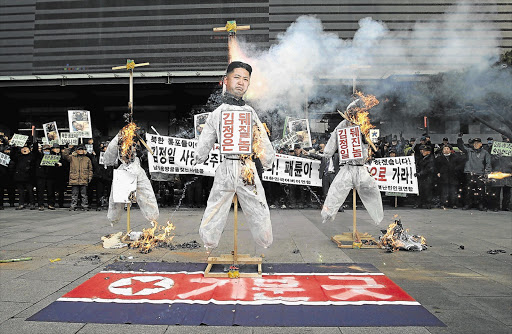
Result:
[
  {"x": 397, "y": 238},
  {"x": 236, "y": 174},
  {"x": 123, "y": 148},
  {"x": 353, "y": 174}
]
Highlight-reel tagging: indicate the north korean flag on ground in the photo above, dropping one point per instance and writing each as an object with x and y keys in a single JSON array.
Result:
[{"x": 286, "y": 295}]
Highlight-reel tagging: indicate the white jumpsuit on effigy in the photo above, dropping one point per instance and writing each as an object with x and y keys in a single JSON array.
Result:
[
  {"x": 351, "y": 175},
  {"x": 228, "y": 180},
  {"x": 145, "y": 195}
]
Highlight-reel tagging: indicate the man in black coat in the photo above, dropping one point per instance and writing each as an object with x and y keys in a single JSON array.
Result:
[
  {"x": 447, "y": 167},
  {"x": 22, "y": 170},
  {"x": 425, "y": 171}
]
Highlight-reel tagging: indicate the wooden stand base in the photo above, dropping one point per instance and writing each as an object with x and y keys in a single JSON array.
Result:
[
  {"x": 234, "y": 259},
  {"x": 363, "y": 240},
  {"x": 230, "y": 259}
]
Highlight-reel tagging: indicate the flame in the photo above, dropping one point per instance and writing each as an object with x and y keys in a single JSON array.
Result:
[
  {"x": 149, "y": 239},
  {"x": 499, "y": 175},
  {"x": 257, "y": 151},
  {"x": 126, "y": 139},
  {"x": 360, "y": 116},
  {"x": 397, "y": 238}
]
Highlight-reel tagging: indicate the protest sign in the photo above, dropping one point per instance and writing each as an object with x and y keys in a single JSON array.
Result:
[
  {"x": 176, "y": 156},
  {"x": 80, "y": 122},
  {"x": 236, "y": 132},
  {"x": 349, "y": 143},
  {"x": 288, "y": 139},
  {"x": 301, "y": 128},
  {"x": 89, "y": 148},
  {"x": 294, "y": 170},
  {"x": 502, "y": 148},
  {"x": 394, "y": 174},
  {"x": 4, "y": 159},
  {"x": 199, "y": 122},
  {"x": 374, "y": 135},
  {"x": 50, "y": 159},
  {"x": 101, "y": 160},
  {"x": 51, "y": 133},
  {"x": 70, "y": 138},
  {"x": 18, "y": 140},
  {"x": 123, "y": 184}
]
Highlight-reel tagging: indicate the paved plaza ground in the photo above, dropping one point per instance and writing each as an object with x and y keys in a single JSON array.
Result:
[{"x": 455, "y": 279}]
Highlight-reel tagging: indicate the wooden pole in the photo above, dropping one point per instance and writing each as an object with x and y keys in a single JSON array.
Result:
[
  {"x": 396, "y": 201},
  {"x": 235, "y": 245},
  {"x": 128, "y": 218},
  {"x": 354, "y": 226},
  {"x": 130, "y": 103}
]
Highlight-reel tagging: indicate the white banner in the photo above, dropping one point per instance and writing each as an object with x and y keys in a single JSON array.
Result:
[
  {"x": 349, "y": 143},
  {"x": 18, "y": 140},
  {"x": 176, "y": 156},
  {"x": 502, "y": 148},
  {"x": 4, "y": 160},
  {"x": 374, "y": 135},
  {"x": 69, "y": 138},
  {"x": 294, "y": 170},
  {"x": 394, "y": 174},
  {"x": 236, "y": 132},
  {"x": 123, "y": 184}
]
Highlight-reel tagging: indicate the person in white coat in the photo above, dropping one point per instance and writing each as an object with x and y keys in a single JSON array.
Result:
[
  {"x": 352, "y": 174},
  {"x": 228, "y": 176},
  {"x": 145, "y": 195}
]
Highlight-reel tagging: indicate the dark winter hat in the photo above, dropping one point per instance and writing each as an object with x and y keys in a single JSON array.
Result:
[
  {"x": 423, "y": 138},
  {"x": 490, "y": 138},
  {"x": 55, "y": 145},
  {"x": 46, "y": 147},
  {"x": 477, "y": 140},
  {"x": 238, "y": 64},
  {"x": 296, "y": 146},
  {"x": 425, "y": 148},
  {"x": 80, "y": 147},
  {"x": 445, "y": 139},
  {"x": 413, "y": 139}
]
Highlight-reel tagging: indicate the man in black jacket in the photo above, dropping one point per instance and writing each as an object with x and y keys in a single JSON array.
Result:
[
  {"x": 447, "y": 167},
  {"x": 23, "y": 169},
  {"x": 425, "y": 171}
]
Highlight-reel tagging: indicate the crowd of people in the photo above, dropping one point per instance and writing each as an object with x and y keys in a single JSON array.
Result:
[{"x": 450, "y": 175}]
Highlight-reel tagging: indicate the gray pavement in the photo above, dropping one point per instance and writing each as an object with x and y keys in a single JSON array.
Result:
[{"x": 468, "y": 289}]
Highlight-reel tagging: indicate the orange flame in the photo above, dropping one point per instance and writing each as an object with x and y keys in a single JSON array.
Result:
[
  {"x": 149, "y": 240},
  {"x": 499, "y": 175},
  {"x": 126, "y": 139},
  {"x": 360, "y": 115},
  {"x": 257, "y": 151}
]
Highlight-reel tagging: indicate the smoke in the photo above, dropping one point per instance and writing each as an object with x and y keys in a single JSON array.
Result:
[{"x": 309, "y": 65}]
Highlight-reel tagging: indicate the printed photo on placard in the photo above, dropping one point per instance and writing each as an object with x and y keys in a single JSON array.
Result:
[
  {"x": 80, "y": 122},
  {"x": 301, "y": 128},
  {"x": 51, "y": 132},
  {"x": 199, "y": 121}
]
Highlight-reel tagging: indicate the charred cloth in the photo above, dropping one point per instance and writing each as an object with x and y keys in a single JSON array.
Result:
[{"x": 398, "y": 238}]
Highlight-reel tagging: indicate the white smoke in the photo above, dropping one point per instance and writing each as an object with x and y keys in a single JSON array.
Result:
[{"x": 294, "y": 70}]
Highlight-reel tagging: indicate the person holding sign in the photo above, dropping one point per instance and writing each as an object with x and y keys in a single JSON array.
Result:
[
  {"x": 228, "y": 176},
  {"x": 352, "y": 172}
]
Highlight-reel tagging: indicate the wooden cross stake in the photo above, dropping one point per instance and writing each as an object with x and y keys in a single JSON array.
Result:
[
  {"x": 130, "y": 65},
  {"x": 231, "y": 28}
]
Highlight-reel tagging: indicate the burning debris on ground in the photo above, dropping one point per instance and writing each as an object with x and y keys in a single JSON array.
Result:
[
  {"x": 149, "y": 239},
  {"x": 398, "y": 238}
]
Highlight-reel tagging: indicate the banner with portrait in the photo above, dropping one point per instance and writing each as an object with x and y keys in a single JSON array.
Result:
[
  {"x": 80, "y": 122},
  {"x": 301, "y": 128},
  {"x": 51, "y": 133},
  {"x": 199, "y": 122}
]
